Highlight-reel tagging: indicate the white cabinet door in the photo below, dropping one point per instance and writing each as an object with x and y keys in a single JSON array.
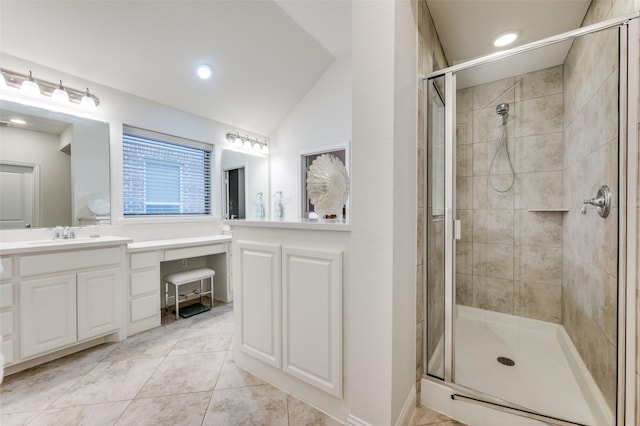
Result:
[
  {"x": 98, "y": 302},
  {"x": 47, "y": 314},
  {"x": 260, "y": 306},
  {"x": 312, "y": 317}
]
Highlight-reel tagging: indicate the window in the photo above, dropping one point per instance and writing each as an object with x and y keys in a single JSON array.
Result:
[
  {"x": 165, "y": 175},
  {"x": 306, "y": 161}
]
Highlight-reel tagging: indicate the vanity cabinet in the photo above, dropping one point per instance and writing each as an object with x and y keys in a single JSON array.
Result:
[
  {"x": 98, "y": 299},
  {"x": 290, "y": 310},
  {"x": 47, "y": 314},
  {"x": 8, "y": 310},
  {"x": 148, "y": 262},
  {"x": 144, "y": 291},
  {"x": 69, "y": 297}
]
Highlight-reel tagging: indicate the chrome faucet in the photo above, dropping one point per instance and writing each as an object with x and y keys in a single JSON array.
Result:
[
  {"x": 66, "y": 233},
  {"x": 57, "y": 233}
]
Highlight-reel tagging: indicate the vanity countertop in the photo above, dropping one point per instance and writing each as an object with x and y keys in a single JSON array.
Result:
[
  {"x": 21, "y": 247},
  {"x": 177, "y": 243},
  {"x": 311, "y": 225}
]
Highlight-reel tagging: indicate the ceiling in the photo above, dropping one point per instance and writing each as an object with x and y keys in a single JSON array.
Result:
[
  {"x": 467, "y": 28},
  {"x": 266, "y": 54},
  {"x": 264, "y": 60},
  {"x": 33, "y": 123}
]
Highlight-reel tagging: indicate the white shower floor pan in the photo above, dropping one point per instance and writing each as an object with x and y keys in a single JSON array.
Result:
[{"x": 548, "y": 376}]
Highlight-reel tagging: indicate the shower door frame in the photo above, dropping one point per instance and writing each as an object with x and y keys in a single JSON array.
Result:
[{"x": 629, "y": 58}]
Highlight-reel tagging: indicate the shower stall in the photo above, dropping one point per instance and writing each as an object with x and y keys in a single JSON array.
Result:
[{"x": 531, "y": 183}]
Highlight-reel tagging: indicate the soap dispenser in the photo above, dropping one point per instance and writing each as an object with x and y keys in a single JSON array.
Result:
[
  {"x": 277, "y": 205},
  {"x": 259, "y": 206}
]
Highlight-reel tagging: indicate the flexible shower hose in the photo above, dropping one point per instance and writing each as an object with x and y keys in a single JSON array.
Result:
[{"x": 503, "y": 141}]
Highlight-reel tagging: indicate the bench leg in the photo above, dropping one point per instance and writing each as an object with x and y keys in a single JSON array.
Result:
[
  {"x": 211, "y": 295},
  {"x": 175, "y": 293},
  {"x": 166, "y": 298}
]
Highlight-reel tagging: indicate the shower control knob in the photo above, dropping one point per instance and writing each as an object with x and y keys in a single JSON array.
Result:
[{"x": 602, "y": 202}]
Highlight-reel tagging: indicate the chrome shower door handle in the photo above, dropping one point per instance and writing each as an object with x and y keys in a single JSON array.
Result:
[{"x": 602, "y": 202}]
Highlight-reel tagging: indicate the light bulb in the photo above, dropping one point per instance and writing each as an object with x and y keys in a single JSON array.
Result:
[
  {"x": 60, "y": 95},
  {"x": 204, "y": 71},
  {"x": 506, "y": 39},
  {"x": 30, "y": 87},
  {"x": 3, "y": 82},
  {"x": 88, "y": 102}
]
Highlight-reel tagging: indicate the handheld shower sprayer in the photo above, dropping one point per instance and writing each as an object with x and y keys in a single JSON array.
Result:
[{"x": 503, "y": 110}]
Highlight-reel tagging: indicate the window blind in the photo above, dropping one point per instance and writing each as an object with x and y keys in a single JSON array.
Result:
[{"x": 165, "y": 178}]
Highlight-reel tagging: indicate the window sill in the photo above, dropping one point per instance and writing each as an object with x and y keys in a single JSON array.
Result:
[{"x": 167, "y": 219}]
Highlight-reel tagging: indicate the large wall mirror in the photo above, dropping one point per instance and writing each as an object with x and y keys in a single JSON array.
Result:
[
  {"x": 54, "y": 169},
  {"x": 245, "y": 189}
]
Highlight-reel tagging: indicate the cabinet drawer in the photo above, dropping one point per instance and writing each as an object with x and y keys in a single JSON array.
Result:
[
  {"x": 7, "y": 268},
  {"x": 7, "y": 350},
  {"x": 145, "y": 282},
  {"x": 6, "y": 323},
  {"x": 6, "y": 295},
  {"x": 145, "y": 307},
  {"x": 187, "y": 252},
  {"x": 144, "y": 260},
  {"x": 66, "y": 261}
]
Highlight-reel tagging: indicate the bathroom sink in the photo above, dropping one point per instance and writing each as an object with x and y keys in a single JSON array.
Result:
[{"x": 59, "y": 242}]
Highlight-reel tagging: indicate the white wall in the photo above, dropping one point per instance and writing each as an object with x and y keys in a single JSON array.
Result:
[
  {"x": 405, "y": 206},
  {"x": 321, "y": 119},
  {"x": 383, "y": 235},
  {"x": 118, "y": 108}
]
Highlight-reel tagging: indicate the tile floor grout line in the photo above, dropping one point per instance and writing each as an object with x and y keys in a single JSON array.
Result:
[{"x": 69, "y": 388}]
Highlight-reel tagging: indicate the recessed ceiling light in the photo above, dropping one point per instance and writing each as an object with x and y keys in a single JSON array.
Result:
[
  {"x": 506, "y": 38},
  {"x": 204, "y": 71},
  {"x": 17, "y": 121}
]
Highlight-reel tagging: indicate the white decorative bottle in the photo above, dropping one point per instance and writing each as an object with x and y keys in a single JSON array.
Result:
[
  {"x": 277, "y": 205},
  {"x": 259, "y": 206}
]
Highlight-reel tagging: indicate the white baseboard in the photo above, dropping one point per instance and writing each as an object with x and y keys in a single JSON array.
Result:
[
  {"x": 408, "y": 409},
  {"x": 355, "y": 421}
]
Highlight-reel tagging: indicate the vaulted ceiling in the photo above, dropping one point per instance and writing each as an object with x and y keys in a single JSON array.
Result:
[
  {"x": 266, "y": 54},
  {"x": 263, "y": 60}
]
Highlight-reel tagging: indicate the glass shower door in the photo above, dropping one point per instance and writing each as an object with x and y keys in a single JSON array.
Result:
[
  {"x": 536, "y": 262},
  {"x": 434, "y": 267}
]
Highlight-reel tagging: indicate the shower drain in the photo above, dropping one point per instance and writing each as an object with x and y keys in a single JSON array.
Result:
[{"x": 506, "y": 361}]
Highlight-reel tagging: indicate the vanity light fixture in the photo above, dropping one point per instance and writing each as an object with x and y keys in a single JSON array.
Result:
[
  {"x": 30, "y": 86},
  {"x": 506, "y": 38},
  {"x": 60, "y": 95},
  {"x": 247, "y": 142},
  {"x": 88, "y": 101}
]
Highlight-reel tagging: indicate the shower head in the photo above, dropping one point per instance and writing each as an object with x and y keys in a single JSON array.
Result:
[{"x": 503, "y": 110}]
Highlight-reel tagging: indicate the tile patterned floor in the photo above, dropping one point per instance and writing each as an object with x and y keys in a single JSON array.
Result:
[{"x": 154, "y": 378}]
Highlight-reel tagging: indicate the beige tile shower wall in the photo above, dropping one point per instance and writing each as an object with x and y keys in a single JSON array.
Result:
[
  {"x": 430, "y": 57},
  {"x": 509, "y": 259},
  {"x": 589, "y": 270}
]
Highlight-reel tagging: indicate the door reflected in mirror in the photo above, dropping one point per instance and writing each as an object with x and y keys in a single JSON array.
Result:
[
  {"x": 54, "y": 169},
  {"x": 245, "y": 193}
]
